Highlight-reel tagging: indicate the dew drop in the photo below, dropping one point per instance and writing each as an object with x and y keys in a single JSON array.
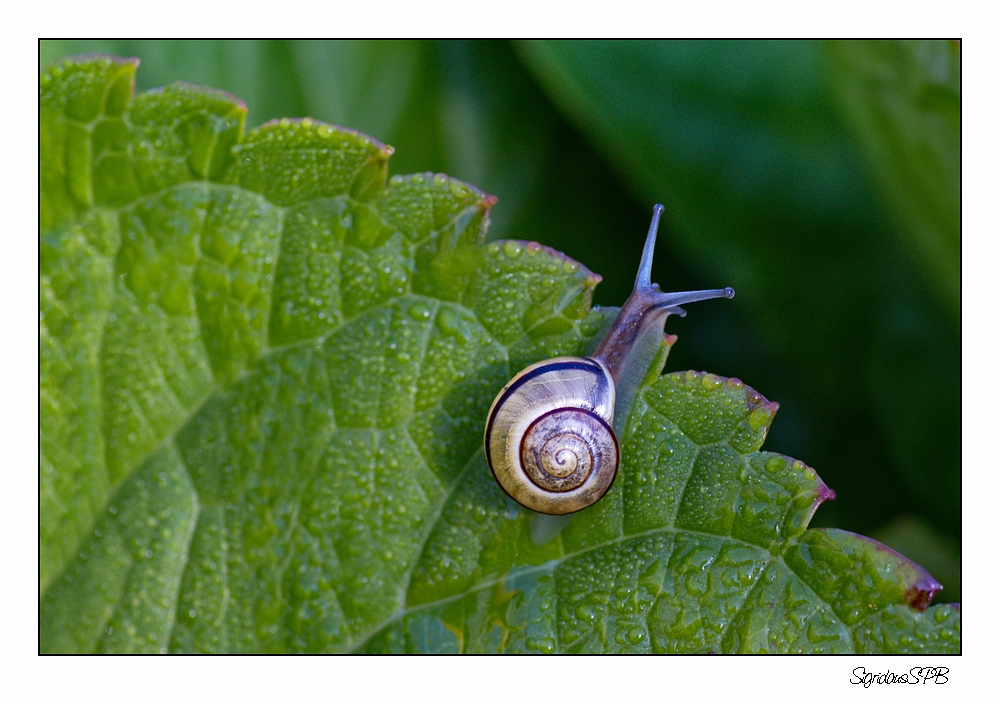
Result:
[{"x": 512, "y": 249}]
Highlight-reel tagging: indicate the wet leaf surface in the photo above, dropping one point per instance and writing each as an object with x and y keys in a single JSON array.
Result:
[{"x": 264, "y": 373}]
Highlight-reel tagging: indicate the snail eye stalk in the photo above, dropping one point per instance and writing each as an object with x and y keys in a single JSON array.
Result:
[{"x": 550, "y": 439}]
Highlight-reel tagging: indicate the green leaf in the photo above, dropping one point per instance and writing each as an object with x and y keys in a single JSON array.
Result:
[
  {"x": 464, "y": 108},
  {"x": 939, "y": 554},
  {"x": 264, "y": 372},
  {"x": 700, "y": 546}
]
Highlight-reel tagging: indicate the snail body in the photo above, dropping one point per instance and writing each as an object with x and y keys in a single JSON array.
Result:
[{"x": 550, "y": 440}]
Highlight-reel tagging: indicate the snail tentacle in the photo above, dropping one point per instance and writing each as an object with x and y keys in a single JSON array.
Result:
[{"x": 550, "y": 434}]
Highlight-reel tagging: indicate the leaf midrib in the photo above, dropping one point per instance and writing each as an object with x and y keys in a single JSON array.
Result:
[
  {"x": 774, "y": 554},
  {"x": 552, "y": 565}
]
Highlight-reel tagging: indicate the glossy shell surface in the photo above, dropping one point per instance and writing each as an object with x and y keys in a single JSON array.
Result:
[{"x": 549, "y": 440}]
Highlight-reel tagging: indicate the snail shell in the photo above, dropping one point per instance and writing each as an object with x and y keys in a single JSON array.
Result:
[{"x": 550, "y": 438}]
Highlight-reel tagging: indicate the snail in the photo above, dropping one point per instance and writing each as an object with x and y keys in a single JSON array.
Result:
[{"x": 550, "y": 434}]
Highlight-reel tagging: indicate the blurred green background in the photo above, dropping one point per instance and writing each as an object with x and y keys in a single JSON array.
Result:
[{"x": 820, "y": 179}]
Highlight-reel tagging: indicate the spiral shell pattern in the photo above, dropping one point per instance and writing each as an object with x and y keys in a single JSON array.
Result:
[{"x": 549, "y": 440}]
